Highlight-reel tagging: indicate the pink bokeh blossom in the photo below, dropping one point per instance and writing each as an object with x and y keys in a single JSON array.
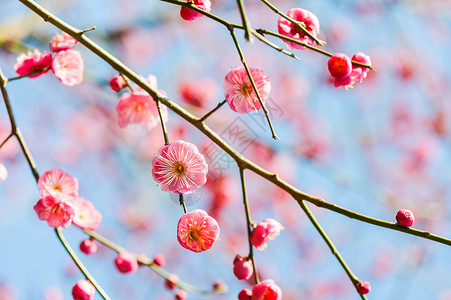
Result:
[
  {"x": 126, "y": 262},
  {"x": 180, "y": 168},
  {"x": 68, "y": 67},
  {"x": 266, "y": 290},
  {"x": 238, "y": 90},
  {"x": 3, "y": 172},
  {"x": 307, "y": 19},
  {"x": 56, "y": 211},
  {"x": 83, "y": 290},
  {"x": 139, "y": 108},
  {"x": 61, "y": 42},
  {"x": 197, "y": 231},
  {"x": 33, "y": 62},
  {"x": 188, "y": 14},
  {"x": 265, "y": 231},
  {"x": 58, "y": 184},
  {"x": 86, "y": 216}
]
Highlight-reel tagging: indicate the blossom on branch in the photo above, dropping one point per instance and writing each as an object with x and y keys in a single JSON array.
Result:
[
  {"x": 33, "y": 62},
  {"x": 56, "y": 211},
  {"x": 180, "y": 168},
  {"x": 265, "y": 231},
  {"x": 59, "y": 184},
  {"x": 61, "y": 42},
  {"x": 197, "y": 231},
  {"x": 266, "y": 290},
  {"x": 83, "y": 290},
  {"x": 306, "y": 19},
  {"x": 68, "y": 67},
  {"x": 86, "y": 216},
  {"x": 357, "y": 74},
  {"x": 188, "y": 14},
  {"x": 240, "y": 94}
]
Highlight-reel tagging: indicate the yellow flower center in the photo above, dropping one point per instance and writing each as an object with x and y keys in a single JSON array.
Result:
[{"x": 179, "y": 169}]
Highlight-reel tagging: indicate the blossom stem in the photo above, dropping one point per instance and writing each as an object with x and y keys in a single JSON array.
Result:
[
  {"x": 249, "y": 225},
  {"x": 245, "y": 21},
  {"x": 298, "y": 24},
  {"x": 154, "y": 267},
  {"x": 329, "y": 243},
  {"x": 271, "y": 44},
  {"x": 212, "y": 111},
  {"x": 163, "y": 125},
  {"x": 130, "y": 87},
  {"x": 243, "y": 60},
  {"x": 7, "y": 138},
  {"x": 26, "y": 152},
  {"x": 28, "y": 75},
  {"x": 86, "y": 30},
  {"x": 182, "y": 202}
]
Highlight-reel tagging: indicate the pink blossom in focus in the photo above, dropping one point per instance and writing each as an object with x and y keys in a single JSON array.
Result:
[
  {"x": 117, "y": 83},
  {"x": 358, "y": 73},
  {"x": 405, "y": 218},
  {"x": 83, "y": 290},
  {"x": 126, "y": 262},
  {"x": 339, "y": 65},
  {"x": 59, "y": 184},
  {"x": 68, "y": 67},
  {"x": 33, "y": 62},
  {"x": 188, "y": 14},
  {"x": 139, "y": 108},
  {"x": 265, "y": 231},
  {"x": 363, "y": 287},
  {"x": 88, "y": 247},
  {"x": 307, "y": 19},
  {"x": 3, "y": 172},
  {"x": 238, "y": 90},
  {"x": 266, "y": 290},
  {"x": 86, "y": 216},
  {"x": 242, "y": 267},
  {"x": 197, "y": 231},
  {"x": 245, "y": 294},
  {"x": 56, "y": 211},
  {"x": 61, "y": 42},
  {"x": 179, "y": 167}
]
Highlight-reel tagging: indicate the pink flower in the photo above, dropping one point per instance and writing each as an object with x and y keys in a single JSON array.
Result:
[
  {"x": 363, "y": 287},
  {"x": 307, "y": 19},
  {"x": 245, "y": 294},
  {"x": 197, "y": 231},
  {"x": 242, "y": 267},
  {"x": 88, "y": 247},
  {"x": 358, "y": 73},
  {"x": 86, "y": 216},
  {"x": 68, "y": 67},
  {"x": 126, "y": 262},
  {"x": 3, "y": 172},
  {"x": 188, "y": 14},
  {"x": 56, "y": 211},
  {"x": 265, "y": 231},
  {"x": 159, "y": 259},
  {"x": 266, "y": 290},
  {"x": 61, "y": 42},
  {"x": 117, "y": 83},
  {"x": 58, "y": 184},
  {"x": 171, "y": 281},
  {"x": 180, "y": 168},
  {"x": 33, "y": 62},
  {"x": 239, "y": 92},
  {"x": 180, "y": 295},
  {"x": 139, "y": 108},
  {"x": 83, "y": 290},
  {"x": 405, "y": 218},
  {"x": 197, "y": 92},
  {"x": 339, "y": 65}
]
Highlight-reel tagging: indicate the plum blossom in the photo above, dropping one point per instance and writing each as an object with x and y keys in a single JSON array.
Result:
[
  {"x": 363, "y": 287},
  {"x": 117, "y": 83},
  {"x": 242, "y": 267},
  {"x": 266, "y": 290},
  {"x": 357, "y": 74},
  {"x": 83, "y": 290},
  {"x": 56, "y": 211},
  {"x": 59, "y": 184},
  {"x": 197, "y": 231},
  {"x": 307, "y": 19},
  {"x": 180, "y": 168},
  {"x": 68, "y": 67},
  {"x": 61, "y": 42},
  {"x": 86, "y": 216},
  {"x": 33, "y": 62},
  {"x": 139, "y": 108},
  {"x": 339, "y": 65},
  {"x": 239, "y": 92},
  {"x": 265, "y": 231},
  {"x": 405, "y": 218},
  {"x": 245, "y": 294},
  {"x": 126, "y": 262},
  {"x": 188, "y": 14},
  {"x": 88, "y": 247}
]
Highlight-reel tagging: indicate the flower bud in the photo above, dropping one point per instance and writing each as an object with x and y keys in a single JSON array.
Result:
[
  {"x": 363, "y": 287},
  {"x": 405, "y": 218}
]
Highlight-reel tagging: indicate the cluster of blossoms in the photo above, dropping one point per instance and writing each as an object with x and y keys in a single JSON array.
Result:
[
  {"x": 67, "y": 64},
  {"x": 265, "y": 290},
  {"x": 344, "y": 72},
  {"x": 306, "y": 19},
  {"x": 60, "y": 204}
]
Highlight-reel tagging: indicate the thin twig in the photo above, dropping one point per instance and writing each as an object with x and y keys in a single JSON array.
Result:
[
  {"x": 163, "y": 125},
  {"x": 248, "y": 225},
  {"x": 212, "y": 111},
  {"x": 245, "y": 21},
  {"x": 130, "y": 87},
  {"x": 271, "y": 44},
  {"x": 182, "y": 203},
  {"x": 4, "y": 142},
  {"x": 28, "y": 75}
]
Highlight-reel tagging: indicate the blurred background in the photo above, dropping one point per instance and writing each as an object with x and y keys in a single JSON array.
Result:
[{"x": 374, "y": 149}]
